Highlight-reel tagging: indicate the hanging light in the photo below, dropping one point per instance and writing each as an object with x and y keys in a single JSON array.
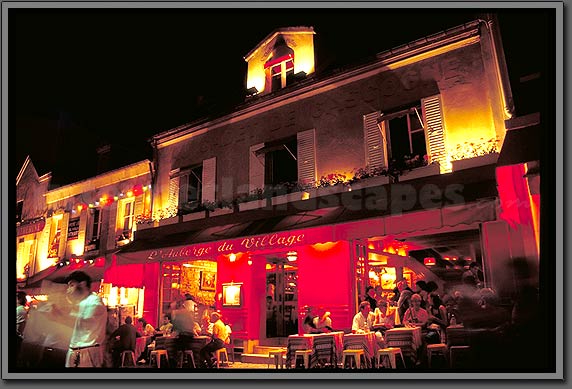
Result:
[{"x": 292, "y": 256}]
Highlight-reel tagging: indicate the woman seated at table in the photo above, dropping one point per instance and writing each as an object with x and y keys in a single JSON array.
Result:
[
  {"x": 415, "y": 316},
  {"x": 382, "y": 320},
  {"x": 437, "y": 322}
]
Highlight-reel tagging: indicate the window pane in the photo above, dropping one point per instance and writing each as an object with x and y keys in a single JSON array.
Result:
[
  {"x": 414, "y": 119},
  {"x": 399, "y": 137},
  {"x": 418, "y": 141}
]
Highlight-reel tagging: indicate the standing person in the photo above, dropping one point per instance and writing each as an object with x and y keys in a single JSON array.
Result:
[
  {"x": 190, "y": 305},
  {"x": 127, "y": 339},
  {"x": 219, "y": 339},
  {"x": 473, "y": 277},
  {"x": 370, "y": 297},
  {"x": 21, "y": 318},
  {"x": 89, "y": 318}
]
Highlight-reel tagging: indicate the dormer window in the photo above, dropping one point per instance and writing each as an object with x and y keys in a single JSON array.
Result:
[
  {"x": 280, "y": 71},
  {"x": 280, "y": 67}
]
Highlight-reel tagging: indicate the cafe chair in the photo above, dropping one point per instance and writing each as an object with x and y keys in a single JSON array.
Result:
[
  {"x": 278, "y": 357},
  {"x": 436, "y": 349},
  {"x": 156, "y": 357},
  {"x": 218, "y": 356},
  {"x": 458, "y": 354},
  {"x": 305, "y": 354},
  {"x": 187, "y": 358},
  {"x": 390, "y": 353},
  {"x": 355, "y": 354},
  {"x": 130, "y": 354}
]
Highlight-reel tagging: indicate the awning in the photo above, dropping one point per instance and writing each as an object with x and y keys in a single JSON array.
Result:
[
  {"x": 521, "y": 145},
  {"x": 58, "y": 274},
  {"x": 289, "y": 231}
]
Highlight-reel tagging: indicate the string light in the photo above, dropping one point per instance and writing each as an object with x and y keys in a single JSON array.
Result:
[{"x": 106, "y": 200}]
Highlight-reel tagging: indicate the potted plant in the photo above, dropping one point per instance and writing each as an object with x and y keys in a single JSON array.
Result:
[
  {"x": 417, "y": 167},
  {"x": 367, "y": 177},
  {"x": 286, "y": 192},
  {"x": 221, "y": 207},
  {"x": 330, "y": 184},
  {"x": 470, "y": 154},
  {"x": 192, "y": 211},
  {"x": 254, "y": 200}
]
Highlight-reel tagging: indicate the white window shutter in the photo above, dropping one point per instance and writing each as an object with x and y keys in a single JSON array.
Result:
[
  {"x": 307, "y": 156},
  {"x": 173, "y": 193},
  {"x": 255, "y": 168},
  {"x": 115, "y": 208},
  {"x": 375, "y": 142},
  {"x": 209, "y": 179},
  {"x": 139, "y": 203},
  {"x": 434, "y": 132}
]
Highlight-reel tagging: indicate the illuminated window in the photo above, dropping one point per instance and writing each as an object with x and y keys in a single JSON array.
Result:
[
  {"x": 280, "y": 67},
  {"x": 55, "y": 234},
  {"x": 405, "y": 135},
  {"x": 95, "y": 224},
  {"x": 127, "y": 215}
]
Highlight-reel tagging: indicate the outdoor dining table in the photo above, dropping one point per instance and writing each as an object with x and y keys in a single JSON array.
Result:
[
  {"x": 366, "y": 341},
  {"x": 408, "y": 339},
  {"x": 306, "y": 342}
]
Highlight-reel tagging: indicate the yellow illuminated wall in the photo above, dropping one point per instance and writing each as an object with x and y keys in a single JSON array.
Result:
[{"x": 299, "y": 39}]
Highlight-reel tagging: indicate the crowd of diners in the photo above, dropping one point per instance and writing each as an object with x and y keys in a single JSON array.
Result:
[{"x": 495, "y": 330}]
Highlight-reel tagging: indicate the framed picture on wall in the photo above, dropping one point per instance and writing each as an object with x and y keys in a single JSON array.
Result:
[
  {"x": 208, "y": 280},
  {"x": 231, "y": 295}
]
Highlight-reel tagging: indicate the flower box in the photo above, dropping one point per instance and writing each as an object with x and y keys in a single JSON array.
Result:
[
  {"x": 220, "y": 211},
  {"x": 287, "y": 198},
  {"x": 144, "y": 226},
  {"x": 423, "y": 171},
  {"x": 171, "y": 220},
  {"x": 254, "y": 204},
  {"x": 481, "y": 160},
  {"x": 194, "y": 216},
  {"x": 370, "y": 182},
  {"x": 327, "y": 190}
]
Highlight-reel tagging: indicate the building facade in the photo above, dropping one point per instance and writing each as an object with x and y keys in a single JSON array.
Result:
[{"x": 320, "y": 185}]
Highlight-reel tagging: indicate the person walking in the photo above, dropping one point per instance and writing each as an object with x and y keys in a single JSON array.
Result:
[
  {"x": 89, "y": 320},
  {"x": 21, "y": 319}
]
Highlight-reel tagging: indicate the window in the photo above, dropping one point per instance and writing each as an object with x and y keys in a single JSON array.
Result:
[
  {"x": 281, "y": 74},
  {"x": 405, "y": 135},
  {"x": 281, "y": 165},
  {"x": 55, "y": 234},
  {"x": 94, "y": 229},
  {"x": 190, "y": 187},
  {"x": 19, "y": 207},
  {"x": 128, "y": 208}
]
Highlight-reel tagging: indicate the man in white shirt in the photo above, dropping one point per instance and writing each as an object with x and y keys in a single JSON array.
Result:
[
  {"x": 89, "y": 318},
  {"x": 363, "y": 320}
]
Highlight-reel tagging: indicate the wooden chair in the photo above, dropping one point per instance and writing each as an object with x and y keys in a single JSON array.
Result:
[
  {"x": 278, "y": 356},
  {"x": 156, "y": 356},
  {"x": 130, "y": 354},
  {"x": 305, "y": 354},
  {"x": 390, "y": 353},
  {"x": 218, "y": 356},
  {"x": 439, "y": 348},
  {"x": 355, "y": 354}
]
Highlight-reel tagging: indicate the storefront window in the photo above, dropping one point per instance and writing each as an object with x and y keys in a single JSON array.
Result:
[
  {"x": 170, "y": 285},
  {"x": 281, "y": 297}
]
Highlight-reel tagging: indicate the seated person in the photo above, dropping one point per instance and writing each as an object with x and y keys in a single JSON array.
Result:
[
  {"x": 127, "y": 338},
  {"x": 363, "y": 320},
  {"x": 310, "y": 321},
  {"x": 220, "y": 338},
  {"x": 382, "y": 320},
  {"x": 415, "y": 316},
  {"x": 167, "y": 327},
  {"x": 323, "y": 323},
  {"x": 145, "y": 329}
]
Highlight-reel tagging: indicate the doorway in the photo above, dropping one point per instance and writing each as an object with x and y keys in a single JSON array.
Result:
[{"x": 281, "y": 297}]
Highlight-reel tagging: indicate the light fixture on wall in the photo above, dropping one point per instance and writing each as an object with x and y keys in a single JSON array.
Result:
[
  {"x": 232, "y": 257},
  {"x": 292, "y": 256},
  {"x": 251, "y": 91}
]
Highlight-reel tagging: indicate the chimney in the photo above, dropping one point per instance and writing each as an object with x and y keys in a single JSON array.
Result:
[{"x": 103, "y": 158}]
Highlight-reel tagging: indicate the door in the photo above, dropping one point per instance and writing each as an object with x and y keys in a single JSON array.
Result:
[{"x": 281, "y": 298}]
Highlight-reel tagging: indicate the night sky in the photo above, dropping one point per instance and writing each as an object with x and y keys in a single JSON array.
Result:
[{"x": 82, "y": 78}]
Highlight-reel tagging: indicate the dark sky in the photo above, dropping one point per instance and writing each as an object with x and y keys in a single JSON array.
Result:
[{"x": 122, "y": 75}]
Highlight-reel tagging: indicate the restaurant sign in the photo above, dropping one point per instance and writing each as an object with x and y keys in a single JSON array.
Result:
[
  {"x": 73, "y": 229},
  {"x": 31, "y": 228},
  {"x": 281, "y": 240}
]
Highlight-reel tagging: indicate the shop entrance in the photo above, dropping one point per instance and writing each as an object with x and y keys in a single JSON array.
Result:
[{"x": 281, "y": 297}]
